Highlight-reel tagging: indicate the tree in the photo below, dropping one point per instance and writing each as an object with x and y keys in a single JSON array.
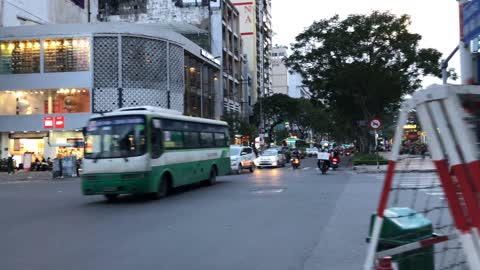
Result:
[
  {"x": 237, "y": 125},
  {"x": 276, "y": 109},
  {"x": 362, "y": 67}
]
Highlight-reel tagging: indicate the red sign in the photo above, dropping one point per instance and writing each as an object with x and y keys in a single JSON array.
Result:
[
  {"x": 375, "y": 123},
  {"x": 59, "y": 122},
  {"x": 47, "y": 122}
]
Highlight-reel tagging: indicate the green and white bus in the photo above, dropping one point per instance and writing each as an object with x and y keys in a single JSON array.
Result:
[{"x": 151, "y": 150}]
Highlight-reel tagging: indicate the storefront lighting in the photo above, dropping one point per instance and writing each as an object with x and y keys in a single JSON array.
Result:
[
  {"x": 18, "y": 94},
  {"x": 29, "y": 45},
  {"x": 3, "y": 47},
  {"x": 21, "y": 45},
  {"x": 58, "y": 43},
  {"x": 45, "y": 44},
  {"x": 66, "y": 43},
  {"x": 24, "y": 131},
  {"x": 11, "y": 46},
  {"x": 192, "y": 69},
  {"x": 82, "y": 43},
  {"x": 36, "y": 45},
  {"x": 74, "y": 42},
  {"x": 84, "y": 91}
]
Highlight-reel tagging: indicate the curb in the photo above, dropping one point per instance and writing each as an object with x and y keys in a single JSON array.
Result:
[
  {"x": 38, "y": 180},
  {"x": 396, "y": 171}
]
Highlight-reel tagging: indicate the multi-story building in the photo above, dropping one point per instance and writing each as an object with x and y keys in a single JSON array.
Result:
[
  {"x": 54, "y": 77},
  {"x": 285, "y": 80},
  {"x": 218, "y": 31},
  {"x": 279, "y": 70},
  {"x": 296, "y": 88},
  {"x": 18, "y": 12},
  {"x": 256, "y": 31}
]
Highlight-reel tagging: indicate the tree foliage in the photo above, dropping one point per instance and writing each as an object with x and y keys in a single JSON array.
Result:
[
  {"x": 362, "y": 66},
  {"x": 239, "y": 126},
  {"x": 302, "y": 114}
]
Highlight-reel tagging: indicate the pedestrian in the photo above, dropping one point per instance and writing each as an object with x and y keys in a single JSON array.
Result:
[{"x": 10, "y": 167}]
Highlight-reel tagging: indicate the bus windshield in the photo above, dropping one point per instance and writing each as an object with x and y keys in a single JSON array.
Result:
[{"x": 115, "y": 137}]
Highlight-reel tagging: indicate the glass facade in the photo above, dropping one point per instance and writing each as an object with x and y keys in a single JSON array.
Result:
[
  {"x": 66, "y": 54},
  {"x": 199, "y": 88},
  {"x": 45, "y": 101},
  {"x": 60, "y": 55},
  {"x": 19, "y": 56}
]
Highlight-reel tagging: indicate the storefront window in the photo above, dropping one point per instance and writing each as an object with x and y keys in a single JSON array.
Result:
[
  {"x": 199, "y": 88},
  {"x": 20, "y": 56},
  {"x": 45, "y": 101},
  {"x": 67, "y": 54}
]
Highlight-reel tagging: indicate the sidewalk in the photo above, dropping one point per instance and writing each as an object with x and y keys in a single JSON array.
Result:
[
  {"x": 28, "y": 176},
  {"x": 405, "y": 164}
]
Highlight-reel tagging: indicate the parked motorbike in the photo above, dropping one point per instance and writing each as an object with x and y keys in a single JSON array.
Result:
[{"x": 295, "y": 162}]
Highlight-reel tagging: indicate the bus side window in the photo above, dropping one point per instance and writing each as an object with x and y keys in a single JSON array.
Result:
[
  {"x": 156, "y": 139},
  {"x": 220, "y": 139},
  {"x": 206, "y": 139}
]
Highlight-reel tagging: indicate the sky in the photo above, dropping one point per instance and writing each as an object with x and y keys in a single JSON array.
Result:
[{"x": 436, "y": 20}]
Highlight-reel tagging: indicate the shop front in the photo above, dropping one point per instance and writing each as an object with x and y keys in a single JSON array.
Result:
[
  {"x": 53, "y": 78},
  {"x": 43, "y": 146}
]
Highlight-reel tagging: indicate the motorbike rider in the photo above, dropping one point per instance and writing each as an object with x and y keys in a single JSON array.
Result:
[
  {"x": 296, "y": 154},
  {"x": 319, "y": 160}
]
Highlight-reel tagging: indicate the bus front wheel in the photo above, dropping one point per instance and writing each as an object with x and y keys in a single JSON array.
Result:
[
  {"x": 163, "y": 188},
  {"x": 213, "y": 177},
  {"x": 111, "y": 197}
]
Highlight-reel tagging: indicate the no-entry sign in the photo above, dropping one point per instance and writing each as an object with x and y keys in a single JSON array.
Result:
[
  {"x": 59, "y": 122},
  {"x": 375, "y": 123}
]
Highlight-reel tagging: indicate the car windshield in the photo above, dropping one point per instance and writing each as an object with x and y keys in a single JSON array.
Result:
[
  {"x": 269, "y": 153},
  {"x": 235, "y": 151},
  {"x": 115, "y": 137}
]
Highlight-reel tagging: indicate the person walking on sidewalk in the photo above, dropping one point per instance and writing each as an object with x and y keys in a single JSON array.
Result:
[{"x": 10, "y": 167}]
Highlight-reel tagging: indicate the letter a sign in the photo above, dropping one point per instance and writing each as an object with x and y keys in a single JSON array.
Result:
[{"x": 375, "y": 124}]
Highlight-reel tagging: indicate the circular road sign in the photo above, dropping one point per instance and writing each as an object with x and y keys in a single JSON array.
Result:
[{"x": 375, "y": 123}]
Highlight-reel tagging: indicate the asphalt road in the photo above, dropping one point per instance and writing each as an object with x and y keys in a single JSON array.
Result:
[{"x": 271, "y": 219}]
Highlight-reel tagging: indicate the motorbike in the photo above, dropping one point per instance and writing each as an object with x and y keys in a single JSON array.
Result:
[
  {"x": 323, "y": 165},
  {"x": 348, "y": 153},
  {"x": 295, "y": 162},
  {"x": 334, "y": 162}
]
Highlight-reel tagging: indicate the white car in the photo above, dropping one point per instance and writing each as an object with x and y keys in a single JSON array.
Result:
[
  {"x": 271, "y": 158},
  {"x": 241, "y": 157},
  {"x": 311, "y": 151}
]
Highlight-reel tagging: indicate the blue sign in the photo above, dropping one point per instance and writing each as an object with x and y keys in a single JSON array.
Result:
[{"x": 471, "y": 20}]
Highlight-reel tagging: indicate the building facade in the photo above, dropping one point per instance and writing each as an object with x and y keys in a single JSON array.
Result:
[
  {"x": 279, "y": 70},
  {"x": 55, "y": 77},
  {"x": 296, "y": 88},
  {"x": 218, "y": 31},
  {"x": 21, "y": 12},
  {"x": 256, "y": 31}
]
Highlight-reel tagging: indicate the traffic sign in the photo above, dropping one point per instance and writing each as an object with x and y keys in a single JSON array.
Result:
[{"x": 375, "y": 123}]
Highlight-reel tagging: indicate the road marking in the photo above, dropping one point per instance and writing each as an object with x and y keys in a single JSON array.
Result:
[
  {"x": 306, "y": 168},
  {"x": 268, "y": 191}
]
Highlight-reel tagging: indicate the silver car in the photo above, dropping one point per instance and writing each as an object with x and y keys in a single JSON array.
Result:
[
  {"x": 271, "y": 158},
  {"x": 241, "y": 157}
]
